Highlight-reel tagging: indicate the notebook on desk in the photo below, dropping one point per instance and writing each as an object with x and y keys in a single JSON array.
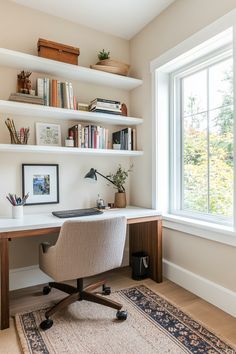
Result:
[{"x": 76, "y": 213}]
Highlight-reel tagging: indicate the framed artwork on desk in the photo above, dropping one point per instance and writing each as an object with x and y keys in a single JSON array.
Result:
[{"x": 41, "y": 181}]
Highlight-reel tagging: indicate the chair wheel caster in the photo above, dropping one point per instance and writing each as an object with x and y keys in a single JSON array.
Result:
[
  {"x": 121, "y": 315},
  {"x": 46, "y": 324},
  {"x": 106, "y": 290},
  {"x": 46, "y": 290}
]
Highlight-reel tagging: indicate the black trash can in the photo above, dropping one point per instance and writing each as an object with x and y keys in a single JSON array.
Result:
[{"x": 140, "y": 265}]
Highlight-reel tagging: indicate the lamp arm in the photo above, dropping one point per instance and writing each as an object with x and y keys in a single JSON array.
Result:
[
  {"x": 105, "y": 177},
  {"x": 108, "y": 179}
]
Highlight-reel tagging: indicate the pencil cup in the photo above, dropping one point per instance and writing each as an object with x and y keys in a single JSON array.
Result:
[{"x": 17, "y": 212}]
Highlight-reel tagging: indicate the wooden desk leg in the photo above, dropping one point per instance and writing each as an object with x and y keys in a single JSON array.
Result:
[
  {"x": 147, "y": 237},
  {"x": 159, "y": 251},
  {"x": 4, "y": 283}
]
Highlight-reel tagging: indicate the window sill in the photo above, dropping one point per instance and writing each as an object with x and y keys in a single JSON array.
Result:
[{"x": 213, "y": 232}]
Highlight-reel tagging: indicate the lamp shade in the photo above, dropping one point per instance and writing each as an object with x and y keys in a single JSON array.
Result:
[{"x": 91, "y": 174}]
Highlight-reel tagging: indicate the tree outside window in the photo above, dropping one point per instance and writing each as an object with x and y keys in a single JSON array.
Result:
[{"x": 207, "y": 140}]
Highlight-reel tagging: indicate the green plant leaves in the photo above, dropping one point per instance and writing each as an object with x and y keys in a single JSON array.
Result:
[
  {"x": 102, "y": 55},
  {"x": 119, "y": 178}
]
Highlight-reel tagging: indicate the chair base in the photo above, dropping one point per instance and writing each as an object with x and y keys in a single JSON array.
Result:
[{"x": 78, "y": 294}]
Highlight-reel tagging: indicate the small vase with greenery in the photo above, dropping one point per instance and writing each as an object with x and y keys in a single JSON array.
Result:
[{"x": 118, "y": 179}]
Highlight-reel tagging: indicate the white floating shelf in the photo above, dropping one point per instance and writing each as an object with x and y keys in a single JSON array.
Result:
[
  {"x": 66, "y": 150},
  {"x": 33, "y": 110},
  {"x": 22, "y": 61}
]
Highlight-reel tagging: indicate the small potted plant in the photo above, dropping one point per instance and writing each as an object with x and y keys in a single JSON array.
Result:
[
  {"x": 116, "y": 145},
  {"x": 110, "y": 65},
  {"x": 102, "y": 55},
  {"x": 118, "y": 179}
]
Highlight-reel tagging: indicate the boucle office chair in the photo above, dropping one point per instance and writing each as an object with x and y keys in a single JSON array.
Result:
[{"x": 83, "y": 249}]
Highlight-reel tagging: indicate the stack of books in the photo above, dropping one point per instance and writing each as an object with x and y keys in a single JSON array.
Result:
[
  {"x": 126, "y": 138},
  {"x": 89, "y": 136},
  {"x": 56, "y": 93},
  {"x": 26, "y": 98},
  {"x": 102, "y": 105},
  {"x": 83, "y": 106}
]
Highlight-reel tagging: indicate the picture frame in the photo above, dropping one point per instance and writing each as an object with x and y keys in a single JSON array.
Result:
[
  {"x": 48, "y": 134},
  {"x": 41, "y": 181}
]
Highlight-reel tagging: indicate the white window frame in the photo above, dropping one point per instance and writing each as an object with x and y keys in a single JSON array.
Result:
[
  {"x": 176, "y": 141},
  {"x": 213, "y": 37}
]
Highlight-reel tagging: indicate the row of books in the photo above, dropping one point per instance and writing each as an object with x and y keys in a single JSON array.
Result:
[
  {"x": 89, "y": 136},
  {"x": 126, "y": 138},
  {"x": 102, "y": 105},
  {"x": 56, "y": 93}
]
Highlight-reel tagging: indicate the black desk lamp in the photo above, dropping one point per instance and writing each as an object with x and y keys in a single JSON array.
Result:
[{"x": 92, "y": 174}]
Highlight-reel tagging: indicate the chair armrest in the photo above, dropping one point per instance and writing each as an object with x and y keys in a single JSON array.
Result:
[{"x": 45, "y": 246}]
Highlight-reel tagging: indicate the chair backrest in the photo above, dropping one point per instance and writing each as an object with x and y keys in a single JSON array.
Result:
[{"x": 86, "y": 248}]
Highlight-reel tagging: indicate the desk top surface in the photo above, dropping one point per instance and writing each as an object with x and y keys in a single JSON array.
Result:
[{"x": 46, "y": 220}]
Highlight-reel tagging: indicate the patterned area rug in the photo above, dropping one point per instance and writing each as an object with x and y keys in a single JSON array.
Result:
[{"x": 153, "y": 326}]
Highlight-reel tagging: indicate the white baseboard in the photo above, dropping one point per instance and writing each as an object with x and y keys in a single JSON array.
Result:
[
  {"x": 27, "y": 276},
  {"x": 216, "y": 294}
]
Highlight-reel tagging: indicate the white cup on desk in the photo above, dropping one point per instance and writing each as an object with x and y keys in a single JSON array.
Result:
[{"x": 17, "y": 211}]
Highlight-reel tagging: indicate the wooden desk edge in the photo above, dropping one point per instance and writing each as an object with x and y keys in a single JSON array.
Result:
[
  {"x": 142, "y": 219},
  {"x": 54, "y": 230},
  {"x": 27, "y": 233}
]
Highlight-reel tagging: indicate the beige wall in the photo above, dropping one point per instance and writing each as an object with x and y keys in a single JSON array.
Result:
[
  {"x": 20, "y": 29},
  {"x": 183, "y": 18}
]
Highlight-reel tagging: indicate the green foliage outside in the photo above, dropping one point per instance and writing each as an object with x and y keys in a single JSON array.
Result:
[{"x": 219, "y": 199}]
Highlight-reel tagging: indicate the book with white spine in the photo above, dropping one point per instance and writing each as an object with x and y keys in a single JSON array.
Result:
[
  {"x": 40, "y": 90},
  {"x": 71, "y": 96}
]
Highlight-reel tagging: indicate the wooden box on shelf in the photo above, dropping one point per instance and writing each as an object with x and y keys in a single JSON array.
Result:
[{"x": 58, "y": 51}]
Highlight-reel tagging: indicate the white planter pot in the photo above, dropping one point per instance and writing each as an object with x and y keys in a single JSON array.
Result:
[{"x": 116, "y": 146}]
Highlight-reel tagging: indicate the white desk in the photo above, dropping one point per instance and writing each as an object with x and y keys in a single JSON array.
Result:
[
  {"x": 145, "y": 230},
  {"x": 44, "y": 220}
]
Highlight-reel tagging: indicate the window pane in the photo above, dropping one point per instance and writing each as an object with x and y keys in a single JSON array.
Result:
[
  {"x": 207, "y": 141},
  {"x": 221, "y": 84},
  {"x": 221, "y": 161},
  {"x": 195, "y": 166},
  {"x": 195, "y": 93}
]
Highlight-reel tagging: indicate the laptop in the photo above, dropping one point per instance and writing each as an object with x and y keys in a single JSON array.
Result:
[{"x": 76, "y": 213}]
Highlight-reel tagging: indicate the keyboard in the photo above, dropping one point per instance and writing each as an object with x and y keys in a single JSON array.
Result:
[{"x": 76, "y": 213}]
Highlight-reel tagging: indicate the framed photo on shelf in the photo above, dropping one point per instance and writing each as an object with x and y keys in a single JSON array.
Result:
[
  {"x": 48, "y": 134},
  {"x": 41, "y": 181}
]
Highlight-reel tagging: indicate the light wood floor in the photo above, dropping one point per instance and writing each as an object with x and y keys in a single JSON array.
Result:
[{"x": 214, "y": 319}]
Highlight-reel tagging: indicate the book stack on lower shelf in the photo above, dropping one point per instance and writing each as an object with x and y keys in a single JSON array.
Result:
[
  {"x": 96, "y": 137},
  {"x": 89, "y": 136},
  {"x": 102, "y": 105}
]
